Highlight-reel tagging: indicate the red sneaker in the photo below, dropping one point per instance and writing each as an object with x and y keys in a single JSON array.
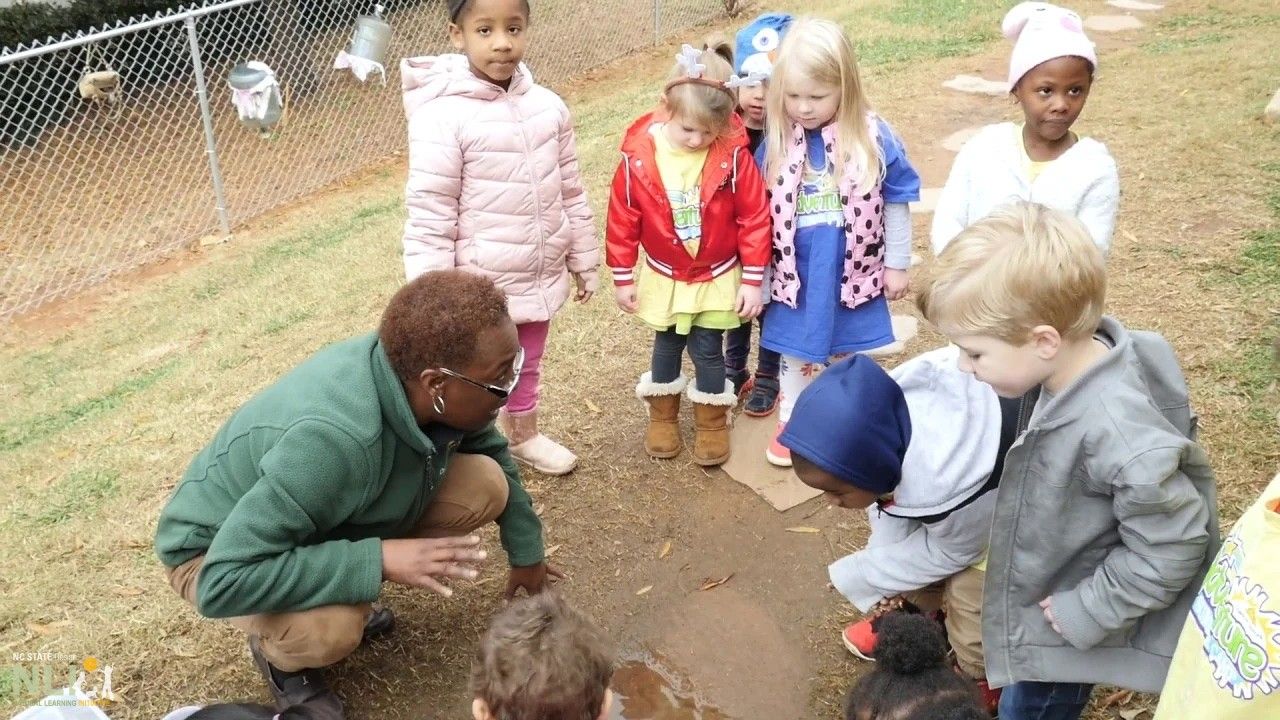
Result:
[
  {"x": 860, "y": 639},
  {"x": 777, "y": 453},
  {"x": 990, "y": 697}
]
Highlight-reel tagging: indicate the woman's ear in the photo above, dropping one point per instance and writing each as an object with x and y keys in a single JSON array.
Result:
[{"x": 606, "y": 706}]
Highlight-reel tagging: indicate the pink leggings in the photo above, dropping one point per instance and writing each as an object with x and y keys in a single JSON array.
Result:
[{"x": 533, "y": 338}]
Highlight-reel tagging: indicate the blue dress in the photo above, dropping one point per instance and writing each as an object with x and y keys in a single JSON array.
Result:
[{"x": 819, "y": 326}]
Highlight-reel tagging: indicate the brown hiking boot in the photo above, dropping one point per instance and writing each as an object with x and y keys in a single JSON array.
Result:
[
  {"x": 662, "y": 437},
  {"x": 296, "y": 688},
  {"x": 711, "y": 424}
]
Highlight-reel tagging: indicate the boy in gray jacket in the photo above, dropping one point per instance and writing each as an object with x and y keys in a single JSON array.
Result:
[{"x": 1105, "y": 517}]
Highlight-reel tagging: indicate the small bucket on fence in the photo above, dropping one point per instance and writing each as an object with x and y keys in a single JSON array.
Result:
[
  {"x": 367, "y": 51},
  {"x": 256, "y": 95}
]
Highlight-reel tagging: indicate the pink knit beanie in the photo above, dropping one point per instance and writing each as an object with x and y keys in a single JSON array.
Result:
[{"x": 1042, "y": 32}]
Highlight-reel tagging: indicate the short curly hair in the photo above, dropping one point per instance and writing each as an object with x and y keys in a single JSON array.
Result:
[
  {"x": 540, "y": 658},
  {"x": 436, "y": 318}
]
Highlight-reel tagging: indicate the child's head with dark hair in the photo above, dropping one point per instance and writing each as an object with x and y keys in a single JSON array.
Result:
[
  {"x": 493, "y": 34},
  {"x": 912, "y": 679},
  {"x": 542, "y": 659}
]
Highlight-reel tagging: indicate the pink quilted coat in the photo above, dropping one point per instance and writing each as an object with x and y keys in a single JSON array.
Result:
[{"x": 494, "y": 186}]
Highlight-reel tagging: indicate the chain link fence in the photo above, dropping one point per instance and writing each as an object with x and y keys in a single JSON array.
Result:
[{"x": 95, "y": 186}]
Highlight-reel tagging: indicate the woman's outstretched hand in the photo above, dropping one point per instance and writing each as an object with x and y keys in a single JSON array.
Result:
[{"x": 427, "y": 562}]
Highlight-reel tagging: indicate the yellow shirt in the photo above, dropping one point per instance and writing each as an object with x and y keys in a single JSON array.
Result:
[
  {"x": 1033, "y": 167},
  {"x": 1227, "y": 665},
  {"x": 681, "y": 173}
]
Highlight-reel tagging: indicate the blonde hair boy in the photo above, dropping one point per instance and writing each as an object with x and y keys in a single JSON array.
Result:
[{"x": 1105, "y": 516}]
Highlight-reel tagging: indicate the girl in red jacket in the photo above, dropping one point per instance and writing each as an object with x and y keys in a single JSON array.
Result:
[{"x": 689, "y": 193}]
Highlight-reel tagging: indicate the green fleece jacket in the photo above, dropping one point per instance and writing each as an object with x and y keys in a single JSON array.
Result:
[{"x": 291, "y": 501}]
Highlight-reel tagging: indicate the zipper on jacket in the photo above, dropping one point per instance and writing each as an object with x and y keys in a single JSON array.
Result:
[{"x": 537, "y": 204}]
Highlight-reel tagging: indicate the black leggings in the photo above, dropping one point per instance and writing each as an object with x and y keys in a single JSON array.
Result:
[{"x": 706, "y": 350}]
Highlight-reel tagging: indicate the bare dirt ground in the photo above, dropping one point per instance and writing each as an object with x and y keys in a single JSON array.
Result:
[{"x": 111, "y": 394}]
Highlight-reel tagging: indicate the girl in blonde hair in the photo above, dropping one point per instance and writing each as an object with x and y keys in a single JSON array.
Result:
[
  {"x": 838, "y": 182},
  {"x": 689, "y": 193}
]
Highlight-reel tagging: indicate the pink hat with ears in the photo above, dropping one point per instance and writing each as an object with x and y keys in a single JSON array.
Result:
[{"x": 1042, "y": 32}]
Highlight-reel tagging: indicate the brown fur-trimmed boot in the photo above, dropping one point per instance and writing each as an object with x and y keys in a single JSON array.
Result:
[
  {"x": 711, "y": 424},
  {"x": 662, "y": 437}
]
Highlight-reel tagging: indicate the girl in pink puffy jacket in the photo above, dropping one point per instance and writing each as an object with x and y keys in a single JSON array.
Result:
[{"x": 494, "y": 188}]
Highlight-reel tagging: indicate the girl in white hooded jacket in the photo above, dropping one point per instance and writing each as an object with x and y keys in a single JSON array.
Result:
[{"x": 1051, "y": 71}]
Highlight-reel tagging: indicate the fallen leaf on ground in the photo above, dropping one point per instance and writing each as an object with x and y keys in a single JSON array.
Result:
[
  {"x": 1131, "y": 714},
  {"x": 666, "y": 550},
  {"x": 709, "y": 583},
  {"x": 803, "y": 529},
  {"x": 552, "y": 550},
  {"x": 128, "y": 591},
  {"x": 617, "y": 573},
  {"x": 537, "y": 509},
  {"x": 1119, "y": 697},
  {"x": 644, "y": 589},
  {"x": 592, "y": 406},
  {"x": 42, "y": 629}
]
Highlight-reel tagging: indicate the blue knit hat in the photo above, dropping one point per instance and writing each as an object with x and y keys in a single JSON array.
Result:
[
  {"x": 852, "y": 422},
  {"x": 756, "y": 45}
]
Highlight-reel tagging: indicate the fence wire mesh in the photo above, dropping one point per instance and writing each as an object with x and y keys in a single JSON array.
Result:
[{"x": 95, "y": 187}]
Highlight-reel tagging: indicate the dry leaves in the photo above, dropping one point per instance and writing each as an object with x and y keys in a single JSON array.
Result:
[
  {"x": 51, "y": 628},
  {"x": 644, "y": 589},
  {"x": 1119, "y": 697},
  {"x": 709, "y": 583},
  {"x": 551, "y": 550},
  {"x": 803, "y": 529},
  {"x": 592, "y": 406},
  {"x": 666, "y": 550},
  {"x": 124, "y": 591}
]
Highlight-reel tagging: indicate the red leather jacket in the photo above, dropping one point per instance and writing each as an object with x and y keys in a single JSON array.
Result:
[{"x": 735, "y": 213}]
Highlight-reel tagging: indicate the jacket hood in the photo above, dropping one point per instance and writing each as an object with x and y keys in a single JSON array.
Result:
[
  {"x": 637, "y": 135},
  {"x": 955, "y": 434},
  {"x": 423, "y": 79}
]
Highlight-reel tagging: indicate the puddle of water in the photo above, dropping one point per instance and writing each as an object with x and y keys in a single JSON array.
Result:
[{"x": 643, "y": 689}]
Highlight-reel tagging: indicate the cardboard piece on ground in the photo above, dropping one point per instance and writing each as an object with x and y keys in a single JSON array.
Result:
[
  {"x": 927, "y": 202},
  {"x": 905, "y": 327},
  {"x": 778, "y": 486}
]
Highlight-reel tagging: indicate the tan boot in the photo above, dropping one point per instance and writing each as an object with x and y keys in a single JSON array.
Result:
[
  {"x": 533, "y": 448},
  {"x": 711, "y": 424},
  {"x": 662, "y": 437}
]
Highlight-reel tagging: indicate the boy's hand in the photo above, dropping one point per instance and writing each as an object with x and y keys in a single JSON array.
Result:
[
  {"x": 534, "y": 579},
  {"x": 750, "y": 302},
  {"x": 896, "y": 283},
  {"x": 585, "y": 292},
  {"x": 1047, "y": 605},
  {"x": 625, "y": 296}
]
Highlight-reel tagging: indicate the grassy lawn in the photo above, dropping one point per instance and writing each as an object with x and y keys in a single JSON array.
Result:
[{"x": 105, "y": 399}]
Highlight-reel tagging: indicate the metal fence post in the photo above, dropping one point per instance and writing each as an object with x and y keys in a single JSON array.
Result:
[
  {"x": 220, "y": 196},
  {"x": 657, "y": 22}
]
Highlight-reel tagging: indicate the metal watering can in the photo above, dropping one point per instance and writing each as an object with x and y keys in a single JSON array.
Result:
[{"x": 371, "y": 38}]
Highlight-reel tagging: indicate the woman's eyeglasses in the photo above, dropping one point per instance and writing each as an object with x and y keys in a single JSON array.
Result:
[{"x": 500, "y": 392}]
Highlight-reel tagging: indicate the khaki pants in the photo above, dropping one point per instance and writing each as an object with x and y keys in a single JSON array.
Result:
[
  {"x": 472, "y": 493},
  {"x": 961, "y": 595}
]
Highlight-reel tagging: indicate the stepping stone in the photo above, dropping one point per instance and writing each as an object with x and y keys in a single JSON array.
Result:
[
  {"x": 905, "y": 328},
  {"x": 928, "y": 201},
  {"x": 976, "y": 85},
  {"x": 957, "y": 139},
  {"x": 1112, "y": 23},
  {"x": 1134, "y": 5},
  {"x": 1272, "y": 113}
]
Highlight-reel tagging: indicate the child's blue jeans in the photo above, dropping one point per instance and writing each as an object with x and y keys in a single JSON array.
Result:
[
  {"x": 737, "y": 345},
  {"x": 1044, "y": 701}
]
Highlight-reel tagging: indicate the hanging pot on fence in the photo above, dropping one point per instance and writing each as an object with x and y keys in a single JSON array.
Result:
[
  {"x": 256, "y": 95},
  {"x": 367, "y": 51}
]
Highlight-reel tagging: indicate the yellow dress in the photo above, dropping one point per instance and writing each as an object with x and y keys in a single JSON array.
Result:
[{"x": 665, "y": 303}]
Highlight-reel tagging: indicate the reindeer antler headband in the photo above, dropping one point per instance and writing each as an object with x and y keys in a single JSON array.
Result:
[{"x": 687, "y": 59}]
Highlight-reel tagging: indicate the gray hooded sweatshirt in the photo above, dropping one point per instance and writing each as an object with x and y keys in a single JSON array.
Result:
[{"x": 1107, "y": 504}]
